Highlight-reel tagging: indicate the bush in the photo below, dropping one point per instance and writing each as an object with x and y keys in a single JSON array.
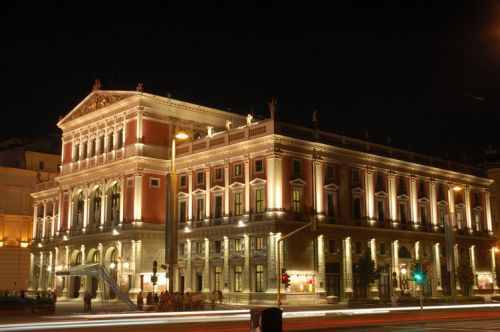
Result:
[
  {"x": 411, "y": 301},
  {"x": 363, "y": 303},
  {"x": 16, "y": 301}
]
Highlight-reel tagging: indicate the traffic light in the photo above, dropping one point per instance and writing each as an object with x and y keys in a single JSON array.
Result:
[
  {"x": 154, "y": 278},
  {"x": 285, "y": 278},
  {"x": 419, "y": 274}
]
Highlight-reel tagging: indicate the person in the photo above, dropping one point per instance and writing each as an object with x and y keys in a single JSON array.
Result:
[
  {"x": 212, "y": 299},
  {"x": 219, "y": 296},
  {"x": 86, "y": 301},
  {"x": 149, "y": 299},
  {"x": 140, "y": 301}
]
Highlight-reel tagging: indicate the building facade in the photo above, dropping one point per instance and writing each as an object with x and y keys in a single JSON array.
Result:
[
  {"x": 22, "y": 166},
  {"x": 241, "y": 188}
]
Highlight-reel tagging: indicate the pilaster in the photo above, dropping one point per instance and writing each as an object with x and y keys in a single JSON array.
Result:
[
  {"x": 226, "y": 265},
  {"x": 395, "y": 266},
  {"x": 271, "y": 264},
  {"x": 437, "y": 288},
  {"x": 246, "y": 265},
  {"x": 247, "y": 185},
  {"x": 189, "y": 268},
  {"x": 321, "y": 265},
  {"x": 318, "y": 178},
  {"x": 373, "y": 254},
  {"x": 347, "y": 267},
  {"x": 137, "y": 197},
  {"x": 433, "y": 202},
  {"x": 206, "y": 269}
]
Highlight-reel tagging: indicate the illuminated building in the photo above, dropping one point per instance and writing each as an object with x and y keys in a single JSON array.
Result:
[{"x": 239, "y": 191}]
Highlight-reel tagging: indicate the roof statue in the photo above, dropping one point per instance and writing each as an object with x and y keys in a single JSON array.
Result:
[
  {"x": 97, "y": 85},
  {"x": 139, "y": 87},
  {"x": 210, "y": 131},
  {"x": 228, "y": 124},
  {"x": 315, "y": 119},
  {"x": 273, "y": 107},
  {"x": 249, "y": 119}
]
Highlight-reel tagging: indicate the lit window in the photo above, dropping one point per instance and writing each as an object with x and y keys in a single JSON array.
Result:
[
  {"x": 259, "y": 200},
  {"x": 238, "y": 245},
  {"x": 237, "y": 278},
  {"x": 218, "y": 174},
  {"x": 259, "y": 278},
  {"x": 296, "y": 201},
  {"x": 259, "y": 243},
  {"x": 259, "y": 166},
  {"x": 238, "y": 210},
  {"x": 237, "y": 170}
]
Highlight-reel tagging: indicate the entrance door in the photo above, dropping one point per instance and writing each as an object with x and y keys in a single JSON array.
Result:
[
  {"x": 199, "y": 282},
  {"x": 384, "y": 285},
  {"x": 94, "y": 287},
  {"x": 182, "y": 285},
  {"x": 445, "y": 280},
  {"x": 332, "y": 279},
  {"x": 76, "y": 286}
]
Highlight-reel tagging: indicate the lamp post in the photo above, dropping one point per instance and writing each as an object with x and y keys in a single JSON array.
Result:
[
  {"x": 171, "y": 225},
  {"x": 450, "y": 253}
]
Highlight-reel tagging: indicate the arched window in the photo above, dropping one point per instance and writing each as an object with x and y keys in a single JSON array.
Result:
[
  {"x": 79, "y": 208},
  {"x": 119, "y": 139},
  {"x": 78, "y": 259},
  {"x": 96, "y": 257},
  {"x": 115, "y": 201},
  {"x": 110, "y": 141},
  {"x": 97, "y": 206},
  {"x": 404, "y": 253}
]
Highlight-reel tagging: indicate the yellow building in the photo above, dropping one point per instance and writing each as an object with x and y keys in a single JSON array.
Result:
[{"x": 20, "y": 170}]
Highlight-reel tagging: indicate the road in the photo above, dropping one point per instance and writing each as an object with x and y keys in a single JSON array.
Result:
[{"x": 457, "y": 318}]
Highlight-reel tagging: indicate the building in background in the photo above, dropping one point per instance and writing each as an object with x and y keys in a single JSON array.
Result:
[
  {"x": 243, "y": 184},
  {"x": 23, "y": 164}
]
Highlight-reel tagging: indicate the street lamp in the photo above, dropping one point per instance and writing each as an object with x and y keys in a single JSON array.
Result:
[
  {"x": 171, "y": 227},
  {"x": 450, "y": 253}
]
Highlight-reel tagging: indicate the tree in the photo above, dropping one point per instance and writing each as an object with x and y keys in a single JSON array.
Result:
[
  {"x": 367, "y": 273},
  {"x": 465, "y": 276}
]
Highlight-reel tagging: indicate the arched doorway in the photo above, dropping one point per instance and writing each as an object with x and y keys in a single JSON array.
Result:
[
  {"x": 94, "y": 257},
  {"x": 78, "y": 217},
  {"x": 112, "y": 267},
  {"x": 405, "y": 282},
  {"x": 96, "y": 207},
  {"x": 114, "y": 211},
  {"x": 77, "y": 280}
]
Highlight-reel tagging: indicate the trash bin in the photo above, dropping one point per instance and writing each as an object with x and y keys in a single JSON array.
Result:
[{"x": 269, "y": 319}]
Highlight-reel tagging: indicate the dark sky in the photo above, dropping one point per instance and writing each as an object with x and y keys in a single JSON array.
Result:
[{"x": 426, "y": 73}]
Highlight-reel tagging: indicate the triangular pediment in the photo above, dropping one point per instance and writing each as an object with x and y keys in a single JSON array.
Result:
[
  {"x": 357, "y": 190},
  {"x": 298, "y": 182},
  {"x": 216, "y": 188},
  {"x": 403, "y": 197},
  {"x": 96, "y": 100},
  {"x": 442, "y": 203},
  {"x": 236, "y": 185},
  {"x": 478, "y": 208},
  {"x": 332, "y": 187},
  {"x": 381, "y": 194},
  {"x": 198, "y": 192},
  {"x": 258, "y": 182},
  {"x": 460, "y": 206},
  {"x": 423, "y": 200},
  {"x": 182, "y": 195}
]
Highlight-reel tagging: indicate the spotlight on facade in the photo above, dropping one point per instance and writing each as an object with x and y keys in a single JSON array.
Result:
[
  {"x": 24, "y": 244},
  {"x": 496, "y": 249},
  {"x": 403, "y": 271},
  {"x": 457, "y": 188},
  {"x": 187, "y": 230},
  {"x": 59, "y": 267},
  {"x": 112, "y": 265},
  {"x": 115, "y": 232},
  {"x": 126, "y": 265},
  {"x": 40, "y": 245},
  {"x": 49, "y": 268},
  {"x": 241, "y": 223},
  {"x": 65, "y": 238},
  {"x": 181, "y": 135},
  {"x": 1, "y": 243}
]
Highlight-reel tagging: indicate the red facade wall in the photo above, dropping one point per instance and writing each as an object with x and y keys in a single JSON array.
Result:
[
  {"x": 286, "y": 164},
  {"x": 306, "y": 175},
  {"x": 261, "y": 175},
  {"x": 153, "y": 200},
  {"x": 131, "y": 132},
  {"x": 64, "y": 214},
  {"x": 155, "y": 132},
  {"x": 128, "y": 203},
  {"x": 67, "y": 152}
]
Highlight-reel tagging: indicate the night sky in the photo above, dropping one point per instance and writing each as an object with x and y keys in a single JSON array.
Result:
[{"x": 425, "y": 74}]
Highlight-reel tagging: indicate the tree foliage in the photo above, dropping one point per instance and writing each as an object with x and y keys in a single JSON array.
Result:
[
  {"x": 465, "y": 276},
  {"x": 367, "y": 272}
]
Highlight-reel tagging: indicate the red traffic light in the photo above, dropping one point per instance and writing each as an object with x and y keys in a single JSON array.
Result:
[{"x": 284, "y": 278}]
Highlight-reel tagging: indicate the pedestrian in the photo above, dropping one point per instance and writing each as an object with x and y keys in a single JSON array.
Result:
[
  {"x": 140, "y": 301},
  {"x": 86, "y": 301},
  {"x": 212, "y": 299}
]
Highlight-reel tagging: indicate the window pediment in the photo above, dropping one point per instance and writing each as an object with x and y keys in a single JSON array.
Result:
[
  {"x": 442, "y": 203},
  {"x": 182, "y": 195},
  {"x": 215, "y": 189},
  {"x": 403, "y": 197},
  {"x": 478, "y": 209},
  {"x": 357, "y": 190},
  {"x": 298, "y": 182},
  {"x": 199, "y": 192},
  {"x": 460, "y": 206},
  {"x": 381, "y": 194},
  {"x": 237, "y": 185},
  {"x": 332, "y": 187},
  {"x": 258, "y": 182},
  {"x": 423, "y": 200}
]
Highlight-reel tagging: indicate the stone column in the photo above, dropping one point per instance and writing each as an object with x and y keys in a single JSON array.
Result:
[
  {"x": 71, "y": 206},
  {"x": 65, "y": 291},
  {"x": 395, "y": 266},
  {"x": 433, "y": 202},
  {"x": 190, "y": 195},
  {"x": 55, "y": 282},
  {"x": 59, "y": 210},
  {"x": 417, "y": 257},
  {"x": 487, "y": 206},
  {"x": 472, "y": 254},
  {"x": 451, "y": 204},
  {"x": 347, "y": 267},
  {"x": 226, "y": 265},
  {"x": 137, "y": 197},
  {"x": 84, "y": 282},
  {"x": 246, "y": 265},
  {"x": 271, "y": 264},
  {"x": 320, "y": 283},
  {"x": 53, "y": 223},
  {"x": 493, "y": 269},
  {"x": 44, "y": 220},
  {"x": 226, "y": 190},
  {"x": 32, "y": 277},
  {"x": 369, "y": 194},
  {"x": 122, "y": 200},
  {"x": 189, "y": 267},
  {"x": 373, "y": 253},
  {"x": 468, "y": 214},
  {"x": 247, "y": 184},
  {"x": 274, "y": 182},
  {"x": 457, "y": 282},
  {"x": 103, "y": 206},
  {"x": 318, "y": 172},
  {"x": 437, "y": 289},
  {"x": 101, "y": 262},
  {"x": 207, "y": 192},
  {"x": 86, "y": 207},
  {"x": 42, "y": 272},
  {"x": 413, "y": 199},
  {"x": 393, "y": 207},
  {"x": 206, "y": 269},
  {"x": 119, "y": 265}
]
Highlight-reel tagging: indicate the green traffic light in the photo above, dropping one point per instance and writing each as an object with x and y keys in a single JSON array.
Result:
[{"x": 418, "y": 277}]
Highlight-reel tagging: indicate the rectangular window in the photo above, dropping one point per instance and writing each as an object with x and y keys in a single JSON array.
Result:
[
  {"x": 380, "y": 210},
  {"x": 218, "y": 278},
  {"x": 110, "y": 142},
  {"x": 218, "y": 174},
  {"x": 76, "y": 153},
  {"x": 423, "y": 215},
  {"x": 330, "y": 172},
  {"x": 200, "y": 178},
  {"x": 477, "y": 221},
  {"x": 296, "y": 166},
  {"x": 259, "y": 166},
  {"x": 296, "y": 201},
  {"x": 358, "y": 247},
  {"x": 238, "y": 245},
  {"x": 460, "y": 219},
  {"x": 84, "y": 150},
  {"x": 401, "y": 186},
  {"x": 119, "y": 143},
  {"x": 182, "y": 249},
  {"x": 237, "y": 278},
  {"x": 382, "y": 249},
  {"x": 380, "y": 182},
  {"x": 182, "y": 212},
  {"x": 259, "y": 200},
  {"x": 101, "y": 144},
  {"x": 41, "y": 165},
  {"x": 92, "y": 148},
  {"x": 357, "y": 208},
  {"x": 355, "y": 176},
  {"x": 441, "y": 217},
  {"x": 330, "y": 199},
  {"x": 238, "y": 210},
  {"x": 332, "y": 246},
  {"x": 259, "y": 278},
  {"x": 237, "y": 170},
  {"x": 402, "y": 213},
  {"x": 199, "y": 209},
  {"x": 154, "y": 182},
  {"x": 421, "y": 189},
  {"x": 199, "y": 248},
  {"x": 217, "y": 247},
  {"x": 259, "y": 243},
  {"x": 183, "y": 181},
  {"x": 218, "y": 206}
]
